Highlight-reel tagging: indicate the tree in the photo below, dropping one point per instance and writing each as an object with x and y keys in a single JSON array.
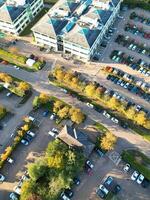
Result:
[
  {"x": 5, "y": 78},
  {"x": 37, "y": 170},
  {"x": 114, "y": 103},
  {"x": 140, "y": 118},
  {"x": 131, "y": 113},
  {"x": 108, "y": 141},
  {"x": 58, "y": 105},
  {"x": 23, "y": 86},
  {"x": 68, "y": 77},
  {"x": 76, "y": 115},
  {"x": 44, "y": 98},
  {"x": 74, "y": 82},
  {"x": 63, "y": 113},
  {"x": 90, "y": 90},
  {"x": 34, "y": 197},
  {"x": 59, "y": 74},
  {"x": 36, "y": 102},
  {"x": 25, "y": 127}
]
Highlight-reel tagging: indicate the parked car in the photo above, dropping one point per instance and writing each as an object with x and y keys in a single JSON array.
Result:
[
  {"x": 45, "y": 113},
  {"x": 134, "y": 175},
  {"x": 64, "y": 90},
  {"x": 90, "y": 105},
  {"x": 89, "y": 164},
  {"x": 64, "y": 197},
  {"x": 53, "y": 116},
  {"x": 17, "y": 189},
  {"x": 116, "y": 189},
  {"x": 13, "y": 196},
  {"x": 31, "y": 133},
  {"x": 10, "y": 160},
  {"x": 28, "y": 138},
  {"x": 9, "y": 94},
  {"x": 25, "y": 142},
  {"x": 126, "y": 168},
  {"x": 99, "y": 152},
  {"x": 107, "y": 115},
  {"x": 76, "y": 181},
  {"x": 113, "y": 119},
  {"x": 53, "y": 134},
  {"x": 16, "y": 67},
  {"x": 2, "y": 178},
  {"x": 103, "y": 189},
  {"x": 108, "y": 181},
  {"x": 68, "y": 192},
  {"x": 145, "y": 183},
  {"x": 100, "y": 193},
  {"x": 140, "y": 179}
]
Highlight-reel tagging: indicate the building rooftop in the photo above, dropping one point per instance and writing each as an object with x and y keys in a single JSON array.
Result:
[
  {"x": 9, "y": 11},
  {"x": 76, "y": 138}
]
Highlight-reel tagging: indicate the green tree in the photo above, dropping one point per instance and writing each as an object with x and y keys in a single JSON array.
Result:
[{"x": 36, "y": 101}]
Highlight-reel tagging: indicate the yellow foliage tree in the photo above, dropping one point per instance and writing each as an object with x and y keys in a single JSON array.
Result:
[
  {"x": 63, "y": 113},
  {"x": 108, "y": 141},
  {"x": 90, "y": 90},
  {"x": 44, "y": 98}
]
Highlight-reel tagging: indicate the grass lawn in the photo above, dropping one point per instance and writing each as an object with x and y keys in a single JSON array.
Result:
[
  {"x": 27, "y": 30},
  {"x": 50, "y": 1},
  {"x": 138, "y": 161},
  {"x": 101, "y": 128}
]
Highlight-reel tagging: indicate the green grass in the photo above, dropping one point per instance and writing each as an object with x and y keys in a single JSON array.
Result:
[
  {"x": 27, "y": 30},
  {"x": 50, "y": 1},
  {"x": 138, "y": 161},
  {"x": 100, "y": 127}
]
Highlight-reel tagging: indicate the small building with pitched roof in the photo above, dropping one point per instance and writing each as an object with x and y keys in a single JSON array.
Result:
[{"x": 76, "y": 139}]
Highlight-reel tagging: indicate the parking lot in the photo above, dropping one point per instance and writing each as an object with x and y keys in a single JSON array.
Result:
[
  {"x": 23, "y": 155},
  {"x": 119, "y": 29},
  {"x": 104, "y": 167}
]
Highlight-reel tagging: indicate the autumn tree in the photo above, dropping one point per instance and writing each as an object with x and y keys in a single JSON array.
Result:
[
  {"x": 59, "y": 74},
  {"x": 140, "y": 118},
  {"x": 57, "y": 106},
  {"x": 108, "y": 141},
  {"x": 76, "y": 115},
  {"x": 90, "y": 90},
  {"x": 63, "y": 113},
  {"x": 44, "y": 98},
  {"x": 114, "y": 103}
]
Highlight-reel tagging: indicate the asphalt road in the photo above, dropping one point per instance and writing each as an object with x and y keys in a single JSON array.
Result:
[{"x": 39, "y": 82}]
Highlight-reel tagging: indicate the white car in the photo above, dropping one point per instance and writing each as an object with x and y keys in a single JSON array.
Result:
[
  {"x": 9, "y": 94},
  {"x": 51, "y": 133},
  {"x": 64, "y": 90},
  {"x": 90, "y": 105},
  {"x": 2, "y": 178},
  {"x": 53, "y": 116},
  {"x": 31, "y": 133},
  {"x": 134, "y": 175},
  {"x": 140, "y": 179},
  {"x": 10, "y": 160},
  {"x": 89, "y": 163},
  {"x": 13, "y": 196},
  {"x": 113, "y": 119},
  {"x": 64, "y": 197},
  {"x": 31, "y": 118},
  {"x": 55, "y": 130},
  {"x": 107, "y": 115},
  {"x": 17, "y": 190},
  {"x": 103, "y": 189},
  {"x": 16, "y": 67},
  {"x": 126, "y": 167}
]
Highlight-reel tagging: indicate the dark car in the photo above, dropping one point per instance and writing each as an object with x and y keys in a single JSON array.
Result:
[
  {"x": 68, "y": 193},
  {"x": 116, "y": 189},
  {"x": 76, "y": 181},
  {"x": 45, "y": 113},
  {"x": 28, "y": 137},
  {"x": 99, "y": 152},
  {"x": 101, "y": 194},
  {"x": 145, "y": 183}
]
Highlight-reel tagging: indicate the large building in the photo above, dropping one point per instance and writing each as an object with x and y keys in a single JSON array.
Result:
[
  {"x": 76, "y": 27},
  {"x": 15, "y": 15}
]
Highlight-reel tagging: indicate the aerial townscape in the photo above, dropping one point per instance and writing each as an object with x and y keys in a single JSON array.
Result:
[{"x": 74, "y": 99}]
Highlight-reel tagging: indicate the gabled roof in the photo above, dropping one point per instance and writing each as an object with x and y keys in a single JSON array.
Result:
[
  {"x": 50, "y": 26},
  {"x": 76, "y": 138},
  {"x": 10, "y": 13},
  {"x": 67, "y": 5},
  {"x": 82, "y": 36}
]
